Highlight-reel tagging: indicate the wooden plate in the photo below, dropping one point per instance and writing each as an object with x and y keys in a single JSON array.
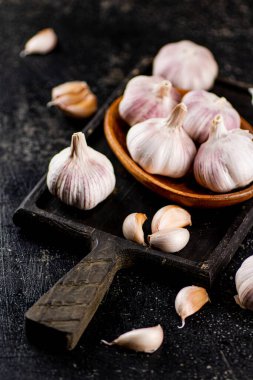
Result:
[{"x": 184, "y": 191}]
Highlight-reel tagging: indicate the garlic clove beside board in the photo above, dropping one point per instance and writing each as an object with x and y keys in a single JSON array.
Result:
[
  {"x": 80, "y": 176},
  {"x": 202, "y": 108},
  {"x": 132, "y": 227},
  {"x": 244, "y": 284},
  {"x": 187, "y": 65},
  {"x": 171, "y": 216},
  {"x": 42, "y": 42},
  {"x": 225, "y": 161},
  {"x": 161, "y": 145},
  {"x": 146, "y": 97}
]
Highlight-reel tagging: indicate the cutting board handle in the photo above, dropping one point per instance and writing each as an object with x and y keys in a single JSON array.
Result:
[{"x": 61, "y": 315}]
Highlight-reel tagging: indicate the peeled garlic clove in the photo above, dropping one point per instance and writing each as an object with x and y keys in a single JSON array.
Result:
[
  {"x": 189, "y": 300},
  {"x": 80, "y": 176},
  {"x": 161, "y": 146},
  {"x": 147, "y": 339},
  {"x": 225, "y": 161},
  {"x": 202, "y": 107},
  {"x": 74, "y": 99},
  {"x": 170, "y": 240},
  {"x": 146, "y": 97},
  {"x": 42, "y": 42},
  {"x": 132, "y": 227},
  {"x": 187, "y": 65},
  {"x": 170, "y": 217},
  {"x": 244, "y": 284}
]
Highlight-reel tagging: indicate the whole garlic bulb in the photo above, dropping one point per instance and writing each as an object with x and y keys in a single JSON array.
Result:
[
  {"x": 42, "y": 42},
  {"x": 161, "y": 145},
  {"x": 202, "y": 107},
  {"x": 225, "y": 161},
  {"x": 146, "y": 97},
  {"x": 74, "y": 98},
  {"x": 79, "y": 175},
  {"x": 187, "y": 65},
  {"x": 244, "y": 284}
]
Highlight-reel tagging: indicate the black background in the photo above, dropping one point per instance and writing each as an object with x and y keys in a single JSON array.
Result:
[{"x": 99, "y": 43}]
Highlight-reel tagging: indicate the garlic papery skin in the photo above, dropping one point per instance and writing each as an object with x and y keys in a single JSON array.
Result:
[
  {"x": 244, "y": 284},
  {"x": 189, "y": 300},
  {"x": 146, "y": 97},
  {"x": 132, "y": 227},
  {"x": 161, "y": 145},
  {"x": 170, "y": 217},
  {"x": 147, "y": 339},
  {"x": 187, "y": 65},
  {"x": 80, "y": 176},
  {"x": 74, "y": 98},
  {"x": 202, "y": 108},
  {"x": 225, "y": 161},
  {"x": 42, "y": 42},
  {"x": 170, "y": 240}
]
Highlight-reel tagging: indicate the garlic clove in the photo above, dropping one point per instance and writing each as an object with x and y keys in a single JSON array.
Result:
[
  {"x": 187, "y": 65},
  {"x": 42, "y": 42},
  {"x": 225, "y": 161},
  {"x": 80, "y": 176},
  {"x": 170, "y": 217},
  {"x": 244, "y": 284},
  {"x": 189, "y": 300},
  {"x": 147, "y": 97},
  {"x": 161, "y": 146},
  {"x": 170, "y": 240},
  {"x": 146, "y": 340},
  {"x": 68, "y": 99},
  {"x": 83, "y": 109},
  {"x": 132, "y": 227},
  {"x": 202, "y": 108},
  {"x": 72, "y": 87}
]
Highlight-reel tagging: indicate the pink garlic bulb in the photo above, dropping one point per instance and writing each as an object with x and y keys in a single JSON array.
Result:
[
  {"x": 187, "y": 65},
  {"x": 202, "y": 108},
  {"x": 146, "y": 97},
  {"x": 225, "y": 161}
]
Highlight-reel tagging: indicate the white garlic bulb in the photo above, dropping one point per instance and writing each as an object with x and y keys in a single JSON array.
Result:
[
  {"x": 79, "y": 175},
  {"x": 187, "y": 65},
  {"x": 132, "y": 227},
  {"x": 147, "y": 339},
  {"x": 202, "y": 108},
  {"x": 42, "y": 42},
  {"x": 170, "y": 240},
  {"x": 161, "y": 146},
  {"x": 146, "y": 97},
  {"x": 244, "y": 284},
  {"x": 170, "y": 217},
  {"x": 189, "y": 300},
  {"x": 225, "y": 161},
  {"x": 74, "y": 98}
]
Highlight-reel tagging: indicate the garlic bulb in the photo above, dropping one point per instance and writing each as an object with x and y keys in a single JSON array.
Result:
[
  {"x": 146, "y": 97},
  {"x": 74, "y": 98},
  {"x": 202, "y": 107},
  {"x": 244, "y": 284},
  {"x": 187, "y": 65},
  {"x": 189, "y": 300},
  {"x": 147, "y": 339},
  {"x": 170, "y": 240},
  {"x": 42, "y": 42},
  {"x": 132, "y": 227},
  {"x": 161, "y": 146},
  {"x": 225, "y": 161},
  {"x": 170, "y": 217},
  {"x": 79, "y": 175}
]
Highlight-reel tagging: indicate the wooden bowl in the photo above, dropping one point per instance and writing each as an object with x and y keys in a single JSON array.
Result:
[{"x": 184, "y": 191}]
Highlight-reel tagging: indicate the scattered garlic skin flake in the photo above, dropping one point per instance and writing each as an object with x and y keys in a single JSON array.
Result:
[
  {"x": 170, "y": 240},
  {"x": 171, "y": 216},
  {"x": 189, "y": 300},
  {"x": 132, "y": 227},
  {"x": 244, "y": 284},
  {"x": 146, "y": 340},
  {"x": 42, "y": 43}
]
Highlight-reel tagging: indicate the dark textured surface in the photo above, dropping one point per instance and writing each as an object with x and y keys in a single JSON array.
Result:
[{"x": 99, "y": 42}]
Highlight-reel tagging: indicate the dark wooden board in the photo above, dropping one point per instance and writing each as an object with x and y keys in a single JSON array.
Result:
[{"x": 215, "y": 236}]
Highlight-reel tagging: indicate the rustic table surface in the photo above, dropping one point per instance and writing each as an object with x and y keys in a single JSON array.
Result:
[{"x": 99, "y": 42}]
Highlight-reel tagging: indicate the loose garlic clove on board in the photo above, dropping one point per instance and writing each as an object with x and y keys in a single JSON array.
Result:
[
  {"x": 132, "y": 227},
  {"x": 42, "y": 42},
  {"x": 170, "y": 217},
  {"x": 170, "y": 240}
]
